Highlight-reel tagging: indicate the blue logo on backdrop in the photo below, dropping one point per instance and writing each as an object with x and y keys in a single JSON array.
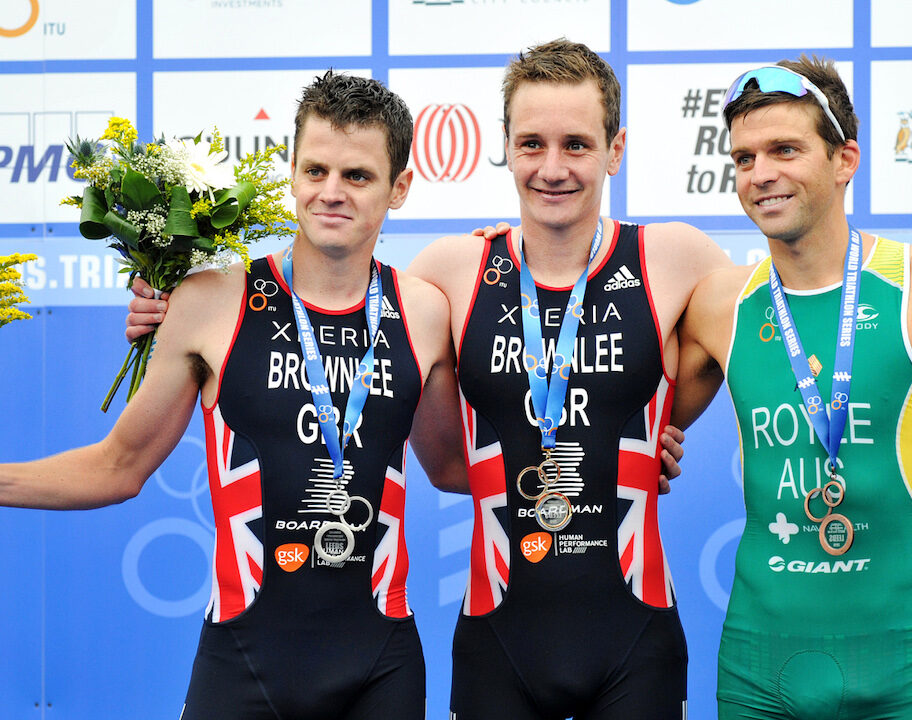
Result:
[
  {"x": 683, "y": 2},
  {"x": 27, "y": 161}
]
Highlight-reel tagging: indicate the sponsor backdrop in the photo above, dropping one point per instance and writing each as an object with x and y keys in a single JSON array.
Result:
[{"x": 101, "y": 608}]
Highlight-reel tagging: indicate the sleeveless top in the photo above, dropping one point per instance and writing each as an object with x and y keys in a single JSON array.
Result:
[
  {"x": 270, "y": 472},
  {"x": 618, "y": 400},
  {"x": 784, "y": 580}
]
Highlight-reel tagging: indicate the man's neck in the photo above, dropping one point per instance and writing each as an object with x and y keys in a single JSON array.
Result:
[
  {"x": 814, "y": 260},
  {"x": 558, "y": 258},
  {"x": 328, "y": 280}
]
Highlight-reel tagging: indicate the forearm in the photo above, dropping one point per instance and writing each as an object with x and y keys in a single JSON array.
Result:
[{"x": 87, "y": 477}]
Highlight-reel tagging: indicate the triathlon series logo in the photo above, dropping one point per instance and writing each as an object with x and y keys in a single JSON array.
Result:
[
  {"x": 447, "y": 143},
  {"x": 26, "y": 26}
]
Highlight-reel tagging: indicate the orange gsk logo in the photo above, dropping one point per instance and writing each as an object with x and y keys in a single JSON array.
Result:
[
  {"x": 535, "y": 546},
  {"x": 23, "y": 29},
  {"x": 291, "y": 556}
]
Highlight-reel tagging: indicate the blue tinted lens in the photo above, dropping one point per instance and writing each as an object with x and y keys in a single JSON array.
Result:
[{"x": 769, "y": 79}]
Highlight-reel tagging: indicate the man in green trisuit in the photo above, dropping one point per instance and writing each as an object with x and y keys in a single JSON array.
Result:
[{"x": 814, "y": 345}]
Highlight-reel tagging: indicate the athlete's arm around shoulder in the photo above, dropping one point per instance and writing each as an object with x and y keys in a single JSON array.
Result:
[
  {"x": 704, "y": 336},
  {"x": 451, "y": 263},
  {"x": 436, "y": 434},
  {"x": 151, "y": 425}
]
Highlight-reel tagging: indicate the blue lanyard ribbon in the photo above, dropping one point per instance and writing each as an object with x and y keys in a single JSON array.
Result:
[
  {"x": 829, "y": 431},
  {"x": 548, "y": 397},
  {"x": 316, "y": 374}
]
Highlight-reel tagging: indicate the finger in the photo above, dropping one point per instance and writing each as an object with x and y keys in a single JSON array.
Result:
[
  {"x": 150, "y": 319},
  {"x": 145, "y": 305},
  {"x": 673, "y": 447},
  {"x": 141, "y": 288},
  {"x": 664, "y": 485},
  {"x": 670, "y": 465},
  {"x": 134, "y": 332},
  {"x": 676, "y": 433}
]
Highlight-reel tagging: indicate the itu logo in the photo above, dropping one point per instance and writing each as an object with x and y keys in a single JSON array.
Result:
[
  {"x": 26, "y": 26},
  {"x": 447, "y": 143}
]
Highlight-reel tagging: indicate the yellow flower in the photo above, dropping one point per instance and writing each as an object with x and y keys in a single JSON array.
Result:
[
  {"x": 120, "y": 130},
  {"x": 201, "y": 207},
  {"x": 7, "y": 315}
]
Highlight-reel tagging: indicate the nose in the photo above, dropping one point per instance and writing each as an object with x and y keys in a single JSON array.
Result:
[
  {"x": 764, "y": 170},
  {"x": 333, "y": 189},
  {"x": 553, "y": 169}
]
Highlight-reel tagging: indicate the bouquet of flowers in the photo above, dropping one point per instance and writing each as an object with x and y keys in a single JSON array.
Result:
[
  {"x": 11, "y": 288},
  {"x": 168, "y": 206}
]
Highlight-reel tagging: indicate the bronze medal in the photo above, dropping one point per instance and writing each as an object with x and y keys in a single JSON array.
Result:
[{"x": 836, "y": 531}]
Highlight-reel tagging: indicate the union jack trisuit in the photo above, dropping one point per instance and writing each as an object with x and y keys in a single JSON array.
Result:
[
  {"x": 287, "y": 634},
  {"x": 580, "y": 621}
]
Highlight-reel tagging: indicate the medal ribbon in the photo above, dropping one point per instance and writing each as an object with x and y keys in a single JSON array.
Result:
[
  {"x": 829, "y": 431},
  {"x": 548, "y": 397},
  {"x": 316, "y": 374}
]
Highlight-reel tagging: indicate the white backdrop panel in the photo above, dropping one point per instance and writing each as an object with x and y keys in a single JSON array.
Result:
[
  {"x": 738, "y": 24},
  {"x": 268, "y": 28},
  {"x": 67, "y": 30},
  {"x": 447, "y": 27}
]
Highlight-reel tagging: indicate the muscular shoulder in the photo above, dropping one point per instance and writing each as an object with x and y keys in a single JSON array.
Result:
[
  {"x": 682, "y": 249},
  {"x": 203, "y": 312},
  {"x": 449, "y": 262},
  {"x": 678, "y": 257}
]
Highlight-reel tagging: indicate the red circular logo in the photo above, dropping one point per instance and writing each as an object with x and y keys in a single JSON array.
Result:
[{"x": 447, "y": 143}]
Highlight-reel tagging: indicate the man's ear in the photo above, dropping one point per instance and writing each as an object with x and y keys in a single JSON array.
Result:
[
  {"x": 616, "y": 151},
  {"x": 400, "y": 189}
]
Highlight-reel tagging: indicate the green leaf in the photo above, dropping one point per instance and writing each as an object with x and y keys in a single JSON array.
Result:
[
  {"x": 122, "y": 230},
  {"x": 203, "y": 243},
  {"x": 91, "y": 220},
  {"x": 139, "y": 192},
  {"x": 180, "y": 222},
  {"x": 230, "y": 203}
]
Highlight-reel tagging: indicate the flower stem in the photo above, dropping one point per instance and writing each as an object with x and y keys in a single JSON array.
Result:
[
  {"x": 130, "y": 360},
  {"x": 139, "y": 369}
]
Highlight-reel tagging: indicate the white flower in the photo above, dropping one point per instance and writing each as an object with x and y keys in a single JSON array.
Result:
[{"x": 202, "y": 168}]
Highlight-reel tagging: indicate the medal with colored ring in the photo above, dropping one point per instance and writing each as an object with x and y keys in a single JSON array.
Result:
[
  {"x": 548, "y": 380},
  {"x": 836, "y": 531},
  {"x": 552, "y": 509}
]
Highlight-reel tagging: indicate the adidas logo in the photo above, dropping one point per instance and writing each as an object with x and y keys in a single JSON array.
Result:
[
  {"x": 387, "y": 311},
  {"x": 622, "y": 279}
]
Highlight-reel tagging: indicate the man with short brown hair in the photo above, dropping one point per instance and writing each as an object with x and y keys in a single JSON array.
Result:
[{"x": 565, "y": 331}]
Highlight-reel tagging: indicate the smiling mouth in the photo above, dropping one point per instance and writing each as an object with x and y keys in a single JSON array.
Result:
[
  {"x": 770, "y": 201},
  {"x": 554, "y": 193}
]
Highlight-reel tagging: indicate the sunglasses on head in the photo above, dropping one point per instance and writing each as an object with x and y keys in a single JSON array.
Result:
[{"x": 775, "y": 78}]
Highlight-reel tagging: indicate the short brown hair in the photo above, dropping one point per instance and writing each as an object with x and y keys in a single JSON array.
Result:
[
  {"x": 562, "y": 61},
  {"x": 346, "y": 100},
  {"x": 820, "y": 71}
]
